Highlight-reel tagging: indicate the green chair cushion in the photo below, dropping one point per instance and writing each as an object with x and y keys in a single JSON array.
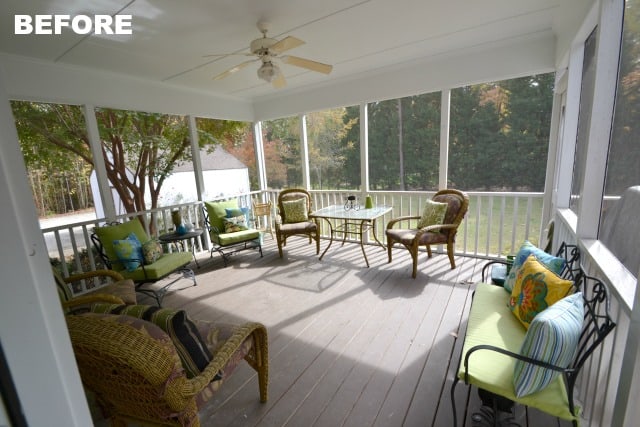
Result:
[
  {"x": 217, "y": 211},
  {"x": 109, "y": 233},
  {"x": 227, "y": 239},
  {"x": 164, "y": 265},
  {"x": 491, "y": 322}
]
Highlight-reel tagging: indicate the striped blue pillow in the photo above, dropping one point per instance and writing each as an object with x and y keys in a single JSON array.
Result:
[{"x": 552, "y": 337}]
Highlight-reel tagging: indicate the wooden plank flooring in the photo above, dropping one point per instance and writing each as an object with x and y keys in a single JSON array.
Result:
[{"x": 348, "y": 345}]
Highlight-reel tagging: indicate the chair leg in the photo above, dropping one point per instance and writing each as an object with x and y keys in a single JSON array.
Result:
[
  {"x": 414, "y": 255},
  {"x": 450, "y": 252},
  {"x": 389, "y": 247},
  {"x": 279, "y": 241},
  {"x": 317, "y": 243},
  {"x": 428, "y": 251}
]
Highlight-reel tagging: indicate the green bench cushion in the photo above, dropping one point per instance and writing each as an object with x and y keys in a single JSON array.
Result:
[
  {"x": 109, "y": 233},
  {"x": 492, "y": 323},
  {"x": 217, "y": 211},
  {"x": 164, "y": 265}
]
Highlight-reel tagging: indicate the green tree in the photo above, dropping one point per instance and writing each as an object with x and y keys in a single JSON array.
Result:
[{"x": 139, "y": 149}]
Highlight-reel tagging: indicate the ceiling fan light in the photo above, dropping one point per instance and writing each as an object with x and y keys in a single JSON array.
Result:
[{"x": 268, "y": 71}]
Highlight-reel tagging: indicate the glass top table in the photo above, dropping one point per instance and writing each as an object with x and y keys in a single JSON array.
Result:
[{"x": 362, "y": 219}]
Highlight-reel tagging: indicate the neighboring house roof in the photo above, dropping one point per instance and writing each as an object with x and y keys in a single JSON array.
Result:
[{"x": 218, "y": 159}]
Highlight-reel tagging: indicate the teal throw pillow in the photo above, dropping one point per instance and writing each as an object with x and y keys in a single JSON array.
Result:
[
  {"x": 151, "y": 251},
  {"x": 433, "y": 214},
  {"x": 295, "y": 211},
  {"x": 129, "y": 252},
  {"x": 553, "y": 338},
  {"x": 553, "y": 263}
]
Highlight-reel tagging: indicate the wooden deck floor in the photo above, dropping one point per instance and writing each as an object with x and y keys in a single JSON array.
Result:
[{"x": 348, "y": 345}]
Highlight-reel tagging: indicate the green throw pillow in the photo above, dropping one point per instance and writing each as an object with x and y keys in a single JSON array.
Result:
[
  {"x": 151, "y": 251},
  {"x": 190, "y": 346},
  {"x": 433, "y": 214},
  {"x": 295, "y": 210},
  {"x": 129, "y": 252},
  {"x": 553, "y": 338}
]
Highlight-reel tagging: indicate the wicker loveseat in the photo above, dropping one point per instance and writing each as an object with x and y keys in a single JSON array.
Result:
[{"x": 134, "y": 368}]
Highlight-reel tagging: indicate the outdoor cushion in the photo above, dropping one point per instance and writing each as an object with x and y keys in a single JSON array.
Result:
[
  {"x": 227, "y": 239},
  {"x": 151, "y": 251},
  {"x": 192, "y": 349},
  {"x": 536, "y": 288},
  {"x": 109, "y": 233},
  {"x": 238, "y": 223},
  {"x": 432, "y": 214},
  {"x": 491, "y": 322},
  {"x": 129, "y": 252},
  {"x": 164, "y": 265},
  {"x": 295, "y": 210},
  {"x": 406, "y": 236},
  {"x": 553, "y": 338},
  {"x": 217, "y": 211},
  {"x": 553, "y": 263}
]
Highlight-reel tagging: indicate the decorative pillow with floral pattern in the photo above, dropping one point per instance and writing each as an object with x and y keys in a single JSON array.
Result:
[
  {"x": 151, "y": 251},
  {"x": 536, "y": 288},
  {"x": 232, "y": 225},
  {"x": 433, "y": 214},
  {"x": 295, "y": 211}
]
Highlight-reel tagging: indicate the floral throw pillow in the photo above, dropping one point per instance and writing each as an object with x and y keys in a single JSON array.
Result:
[
  {"x": 433, "y": 214},
  {"x": 536, "y": 288},
  {"x": 129, "y": 252},
  {"x": 151, "y": 251},
  {"x": 232, "y": 225},
  {"x": 553, "y": 263},
  {"x": 295, "y": 210}
]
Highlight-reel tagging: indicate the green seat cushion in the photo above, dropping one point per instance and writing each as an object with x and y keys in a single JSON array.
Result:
[
  {"x": 167, "y": 263},
  {"x": 227, "y": 239},
  {"x": 109, "y": 233},
  {"x": 491, "y": 322},
  {"x": 217, "y": 211}
]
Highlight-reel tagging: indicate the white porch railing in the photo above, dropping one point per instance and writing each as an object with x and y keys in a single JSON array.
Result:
[
  {"x": 495, "y": 224},
  {"x": 607, "y": 392}
]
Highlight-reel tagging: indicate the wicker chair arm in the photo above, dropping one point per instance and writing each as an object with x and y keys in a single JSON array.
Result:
[
  {"x": 394, "y": 221},
  {"x": 220, "y": 359},
  {"x": 96, "y": 273},
  {"x": 83, "y": 300},
  {"x": 489, "y": 264},
  {"x": 506, "y": 353},
  {"x": 435, "y": 227}
]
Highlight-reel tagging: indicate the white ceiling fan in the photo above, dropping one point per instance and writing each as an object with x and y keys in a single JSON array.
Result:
[{"x": 269, "y": 50}]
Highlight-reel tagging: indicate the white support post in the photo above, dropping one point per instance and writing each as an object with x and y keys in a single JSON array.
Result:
[
  {"x": 606, "y": 79},
  {"x": 570, "y": 129},
  {"x": 258, "y": 144},
  {"x": 106, "y": 197},
  {"x": 195, "y": 157},
  {"x": 547, "y": 205},
  {"x": 445, "y": 119},
  {"x": 304, "y": 151},
  {"x": 34, "y": 335},
  {"x": 364, "y": 150}
]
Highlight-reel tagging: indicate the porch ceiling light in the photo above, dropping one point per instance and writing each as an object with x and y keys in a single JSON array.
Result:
[{"x": 268, "y": 71}]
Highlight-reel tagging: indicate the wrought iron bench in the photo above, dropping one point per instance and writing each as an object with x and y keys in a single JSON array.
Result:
[{"x": 498, "y": 356}]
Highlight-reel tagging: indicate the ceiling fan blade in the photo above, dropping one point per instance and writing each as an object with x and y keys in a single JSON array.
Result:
[
  {"x": 227, "y": 54},
  {"x": 286, "y": 43},
  {"x": 307, "y": 63},
  {"x": 233, "y": 69},
  {"x": 279, "y": 82}
]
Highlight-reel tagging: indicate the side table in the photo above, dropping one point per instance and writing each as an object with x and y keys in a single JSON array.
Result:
[{"x": 179, "y": 239}]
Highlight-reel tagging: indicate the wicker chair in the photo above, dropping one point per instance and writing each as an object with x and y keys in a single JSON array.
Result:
[
  {"x": 133, "y": 368},
  {"x": 412, "y": 239},
  {"x": 119, "y": 291},
  {"x": 287, "y": 226}
]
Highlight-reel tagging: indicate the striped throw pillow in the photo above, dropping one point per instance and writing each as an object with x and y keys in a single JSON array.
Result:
[{"x": 553, "y": 338}]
